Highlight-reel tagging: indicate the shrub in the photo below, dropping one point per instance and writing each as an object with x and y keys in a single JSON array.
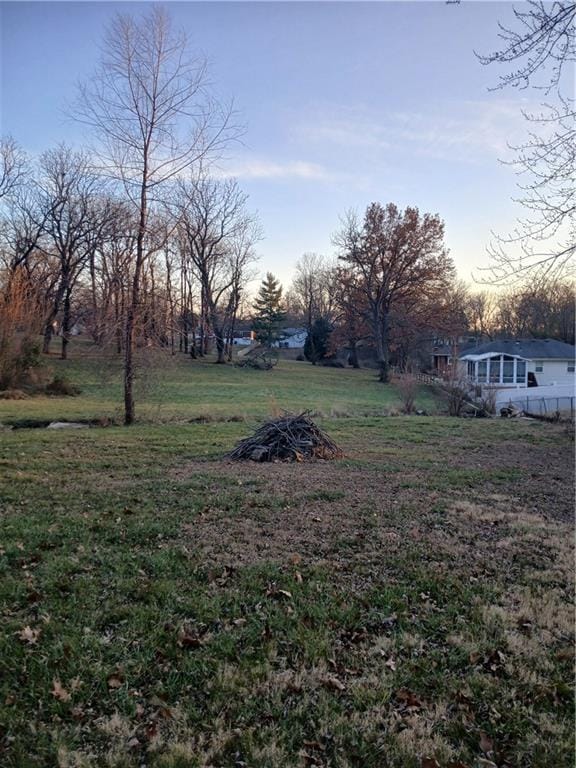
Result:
[
  {"x": 18, "y": 365},
  {"x": 61, "y": 387},
  {"x": 407, "y": 386}
]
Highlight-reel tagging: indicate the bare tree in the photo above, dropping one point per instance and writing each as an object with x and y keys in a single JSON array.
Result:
[
  {"x": 479, "y": 308},
  {"x": 72, "y": 221},
  {"x": 539, "y": 311},
  {"x": 312, "y": 291},
  {"x": 13, "y": 166},
  {"x": 150, "y": 108},
  {"x": 541, "y": 51},
  {"x": 218, "y": 236},
  {"x": 541, "y": 44}
]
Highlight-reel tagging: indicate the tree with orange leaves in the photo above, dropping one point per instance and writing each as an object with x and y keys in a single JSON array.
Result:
[{"x": 394, "y": 258}]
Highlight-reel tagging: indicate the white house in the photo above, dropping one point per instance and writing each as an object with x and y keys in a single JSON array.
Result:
[
  {"x": 520, "y": 363},
  {"x": 292, "y": 338},
  {"x": 243, "y": 338}
]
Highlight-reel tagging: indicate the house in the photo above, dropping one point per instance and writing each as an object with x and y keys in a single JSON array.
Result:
[
  {"x": 520, "y": 363},
  {"x": 292, "y": 338},
  {"x": 243, "y": 338},
  {"x": 446, "y": 351}
]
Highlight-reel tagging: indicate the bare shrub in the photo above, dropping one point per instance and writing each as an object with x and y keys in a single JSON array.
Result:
[
  {"x": 407, "y": 386},
  {"x": 457, "y": 392},
  {"x": 19, "y": 354}
]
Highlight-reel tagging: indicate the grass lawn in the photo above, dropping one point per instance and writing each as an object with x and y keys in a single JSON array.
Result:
[
  {"x": 410, "y": 606},
  {"x": 178, "y": 388}
]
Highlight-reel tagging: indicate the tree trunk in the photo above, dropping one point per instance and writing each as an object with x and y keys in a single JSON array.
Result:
[
  {"x": 48, "y": 331},
  {"x": 49, "y": 327},
  {"x": 129, "y": 411},
  {"x": 65, "y": 332},
  {"x": 382, "y": 351},
  {"x": 353, "y": 359}
]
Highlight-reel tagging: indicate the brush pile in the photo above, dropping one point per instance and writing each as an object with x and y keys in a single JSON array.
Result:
[{"x": 289, "y": 438}]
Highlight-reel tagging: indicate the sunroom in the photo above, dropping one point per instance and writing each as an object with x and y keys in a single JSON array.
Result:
[{"x": 497, "y": 369}]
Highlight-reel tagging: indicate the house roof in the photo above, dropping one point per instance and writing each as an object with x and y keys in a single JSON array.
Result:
[{"x": 529, "y": 349}]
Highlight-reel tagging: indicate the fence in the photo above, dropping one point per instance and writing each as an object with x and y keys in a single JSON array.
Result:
[{"x": 541, "y": 406}]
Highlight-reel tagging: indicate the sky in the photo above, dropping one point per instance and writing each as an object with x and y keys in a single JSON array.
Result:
[{"x": 343, "y": 103}]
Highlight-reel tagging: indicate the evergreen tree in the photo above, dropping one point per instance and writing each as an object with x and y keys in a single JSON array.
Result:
[
  {"x": 268, "y": 312},
  {"x": 316, "y": 344}
]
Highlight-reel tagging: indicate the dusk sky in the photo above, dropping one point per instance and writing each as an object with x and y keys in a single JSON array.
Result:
[{"x": 343, "y": 103}]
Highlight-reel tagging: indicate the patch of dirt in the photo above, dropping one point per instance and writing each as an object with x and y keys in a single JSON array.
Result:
[
  {"x": 313, "y": 511},
  {"x": 359, "y": 519}
]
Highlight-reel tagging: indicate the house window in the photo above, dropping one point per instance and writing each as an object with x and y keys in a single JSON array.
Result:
[
  {"x": 570, "y": 368},
  {"x": 482, "y": 371},
  {"x": 495, "y": 370},
  {"x": 508, "y": 372},
  {"x": 520, "y": 372},
  {"x": 539, "y": 366},
  {"x": 470, "y": 369}
]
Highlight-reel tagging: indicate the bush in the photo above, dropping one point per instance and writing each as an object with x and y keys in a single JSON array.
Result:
[
  {"x": 13, "y": 394},
  {"x": 61, "y": 387},
  {"x": 407, "y": 386},
  {"x": 18, "y": 365}
]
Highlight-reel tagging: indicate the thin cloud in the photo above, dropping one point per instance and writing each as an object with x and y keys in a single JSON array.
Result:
[
  {"x": 270, "y": 169},
  {"x": 469, "y": 131}
]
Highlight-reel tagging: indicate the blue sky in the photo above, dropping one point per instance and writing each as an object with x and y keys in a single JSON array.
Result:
[{"x": 344, "y": 103}]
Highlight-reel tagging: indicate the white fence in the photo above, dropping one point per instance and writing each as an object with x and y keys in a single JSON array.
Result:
[{"x": 544, "y": 401}]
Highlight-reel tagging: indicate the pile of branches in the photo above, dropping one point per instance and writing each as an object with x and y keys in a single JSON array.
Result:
[
  {"x": 260, "y": 360},
  {"x": 289, "y": 438}
]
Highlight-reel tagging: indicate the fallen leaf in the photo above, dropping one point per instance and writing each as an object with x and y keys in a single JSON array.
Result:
[
  {"x": 486, "y": 743},
  {"x": 391, "y": 664},
  {"x": 187, "y": 639},
  {"x": 429, "y": 762},
  {"x": 334, "y": 683},
  {"x": 295, "y": 558},
  {"x": 59, "y": 692},
  {"x": 115, "y": 680},
  {"x": 273, "y": 591},
  {"x": 298, "y": 577},
  {"x": 409, "y": 699},
  {"x": 29, "y": 635}
]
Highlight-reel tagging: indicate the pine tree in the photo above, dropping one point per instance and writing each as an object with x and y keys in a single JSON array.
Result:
[{"x": 268, "y": 313}]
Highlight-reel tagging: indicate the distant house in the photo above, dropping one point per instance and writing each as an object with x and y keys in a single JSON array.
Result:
[
  {"x": 242, "y": 338},
  {"x": 292, "y": 338},
  {"x": 520, "y": 363}
]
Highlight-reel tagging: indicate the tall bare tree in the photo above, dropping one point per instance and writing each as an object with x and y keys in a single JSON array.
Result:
[
  {"x": 218, "y": 236},
  {"x": 540, "y": 51},
  {"x": 312, "y": 290},
  {"x": 72, "y": 221},
  {"x": 150, "y": 108},
  {"x": 13, "y": 166}
]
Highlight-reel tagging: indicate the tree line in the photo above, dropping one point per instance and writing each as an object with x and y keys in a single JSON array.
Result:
[
  {"x": 142, "y": 242},
  {"x": 138, "y": 239},
  {"x": 397, "y": 304}
]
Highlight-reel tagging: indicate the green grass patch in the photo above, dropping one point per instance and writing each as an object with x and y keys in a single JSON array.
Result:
[{"x": 163, "y": 607}]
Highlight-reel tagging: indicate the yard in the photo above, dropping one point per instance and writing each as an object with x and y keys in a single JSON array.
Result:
[{"x": 410, "y": 606}]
